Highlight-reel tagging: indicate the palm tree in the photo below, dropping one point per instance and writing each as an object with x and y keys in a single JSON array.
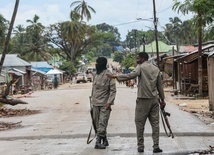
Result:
[
  {"x": 19, "y": 29},
  {"x": 83, "y": 9},
  {"x": 37, "y": 44},
  {"x": 19, "y": 33},
  {"x": 173, "y": 29},
  {"x": 35, "y": 29},
  {"x": 187, "y": 33},
  {"x": 74, "y": 31},
  {"x": 203, "y": 16},
  {"x": 3, "y": 98}
]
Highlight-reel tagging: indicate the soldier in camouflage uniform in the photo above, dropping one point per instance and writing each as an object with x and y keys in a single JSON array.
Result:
[
  {"x": 147, "y": 103},
  {"x": 103, "y": 95}
]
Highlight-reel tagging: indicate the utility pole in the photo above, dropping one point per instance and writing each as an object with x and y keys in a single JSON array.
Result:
[
  {"x": 144, "y": 42},
  {"x": 135, "y": 40},
  {"x": 156, "y": 37}
]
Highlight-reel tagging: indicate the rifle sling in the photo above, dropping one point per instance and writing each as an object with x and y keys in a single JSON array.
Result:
[
  {"x": 89, "y": 135},
  {"x": 164, "y": 125},
  {"x": 164, "y": 119},
  {"x": 93, "y": 124}
]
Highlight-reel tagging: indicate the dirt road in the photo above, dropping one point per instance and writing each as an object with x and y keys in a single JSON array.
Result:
[{"x": 62, "y": 126}]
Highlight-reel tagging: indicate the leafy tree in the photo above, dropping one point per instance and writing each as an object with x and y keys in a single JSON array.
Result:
[
  {"x": 118, "y": 56},
  {"x": 3, "y": 28},
  {"x": 111, "y": 38},
  {"x": 129, "y": 60},
  {"x": 135, "y": 38},
  {"x": 81, "y": 39},
  {"x": 109, "y": 29},
  {"x": 132, "y": 38},
  {"x": 90, "y": 56},
  {"x": 106, "y": 44}
]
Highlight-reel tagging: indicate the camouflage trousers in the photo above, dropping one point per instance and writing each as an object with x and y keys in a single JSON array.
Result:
[
  {"x": 147, "y": 108},
  {"x": 101, "y": 117}
]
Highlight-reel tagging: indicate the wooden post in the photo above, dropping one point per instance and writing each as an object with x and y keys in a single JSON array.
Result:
[
  {"x": 200, "y": 67},
  {"x": 156, "y": 33},
  {"x": 173, "y": 69},
  {"x": 210, "y": 67}
]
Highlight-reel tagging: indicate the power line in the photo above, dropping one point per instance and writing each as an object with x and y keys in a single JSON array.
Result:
[
  {"x": 147, "y": 6},
  {"x": 126, "y": 23},
  {"x": 139, "y": 20},
  {"x": 160, "y": 4},
  {"x": 137, "y": 9},
  {"x": 165, "y": 9}
]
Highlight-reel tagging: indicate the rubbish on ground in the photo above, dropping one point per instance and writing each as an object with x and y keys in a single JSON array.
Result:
[{"x": 182, "y": 105}]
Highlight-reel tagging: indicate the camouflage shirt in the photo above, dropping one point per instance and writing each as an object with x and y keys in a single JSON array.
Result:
[{"x": 103, "y": 89}]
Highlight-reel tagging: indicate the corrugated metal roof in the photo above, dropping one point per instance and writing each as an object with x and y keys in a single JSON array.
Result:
[
  {"x": 15, "y": 72},
  {"x": 41, "y": 64},
  {"x": 204, "y": 52},
  {"x": 54, "y": 71},
  {"x": 14, "y": 60},
  {"x": 187, "y": 49},
  {"x": 211, "y": 53},
  {"x": 162, "y": 47},
  {"x": 36, "y": 70}
]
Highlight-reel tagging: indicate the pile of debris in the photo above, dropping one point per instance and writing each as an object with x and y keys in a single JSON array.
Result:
[
  {"x": 206, "y": 116},
  {"x": 202, "y": 112},
  {"x": 209, "y": 114},
  {"x": 6, "y": 126},
  {"x": 5, "y": 112},
  {"x": 204, "y": 152}
]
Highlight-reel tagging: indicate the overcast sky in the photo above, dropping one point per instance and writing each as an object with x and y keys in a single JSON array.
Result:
[{"x": 119, "y": 13}]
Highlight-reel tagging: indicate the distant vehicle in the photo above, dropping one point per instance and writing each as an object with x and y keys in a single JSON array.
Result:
[
  {"x": 89, "y": 77},
  {"x": 81, "y": 77},
  {"x": 90, "y": 70}
]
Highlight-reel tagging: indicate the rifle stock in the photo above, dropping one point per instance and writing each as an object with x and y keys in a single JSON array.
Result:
[{"x": 166, "y": 121}]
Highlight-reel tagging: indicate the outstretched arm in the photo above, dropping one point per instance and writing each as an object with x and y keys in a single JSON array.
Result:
[{"x": 124, "y": 77}]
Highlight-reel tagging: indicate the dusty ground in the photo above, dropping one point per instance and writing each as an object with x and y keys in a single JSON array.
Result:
[
  {"x": 63, "y": 126},
  {"x": 8, "y": 112},
  {"x": 198, "y": 107}
]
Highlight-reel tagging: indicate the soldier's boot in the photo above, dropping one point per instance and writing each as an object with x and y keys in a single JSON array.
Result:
[
  {"x": 105, "y": 141},
  {"x": 98, "y": 144}
]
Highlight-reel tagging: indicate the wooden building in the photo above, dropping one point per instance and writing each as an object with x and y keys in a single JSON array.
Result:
[
  {"x": 17, "y": 69},
  {"x": 186, "y": 72}
]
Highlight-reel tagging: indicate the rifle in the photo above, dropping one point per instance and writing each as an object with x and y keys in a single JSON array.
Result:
[
  {"x": 165, "y": 121},
  {"x": 93, "y": 123}
]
